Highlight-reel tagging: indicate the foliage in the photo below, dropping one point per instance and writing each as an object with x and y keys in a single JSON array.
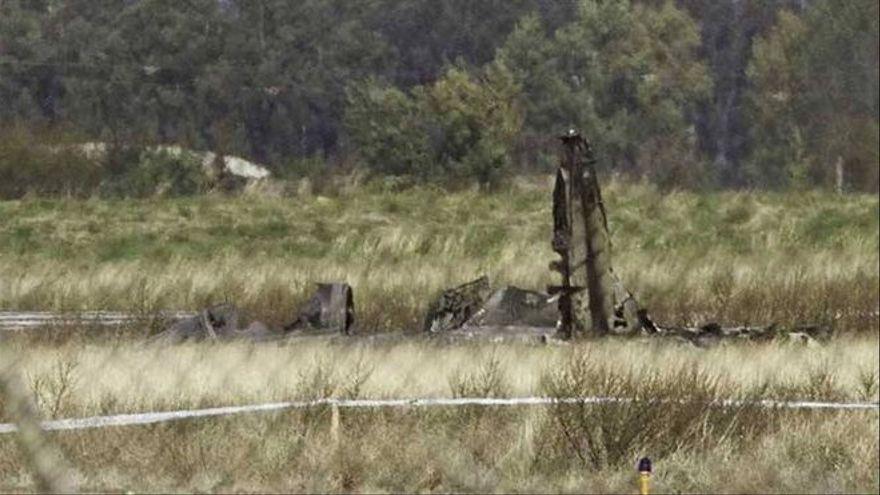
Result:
[
  {"x": 814, "y": 98},
  {"x": 159, "y": 173},
  {"x": 43, "y": 163},
  {"x": 487, "y": 381},
  {"x": 54, "y": 163},
  {"x": 660, "y": 86},
  {"x": 627, "y": 75},
  {"x": 205, "y": 73},
  {"x": 660, "y": 413},
  {"x": 459, "y": 128},
  {"x": 386, "y": 126}
]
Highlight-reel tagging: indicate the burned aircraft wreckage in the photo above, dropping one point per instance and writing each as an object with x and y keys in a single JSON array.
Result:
[{"x": 589, "y": 300}]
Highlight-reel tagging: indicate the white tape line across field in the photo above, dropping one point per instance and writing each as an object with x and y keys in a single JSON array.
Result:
[
  {"x": 26, "y": 320},
  {"x": 161, "y": 417}
]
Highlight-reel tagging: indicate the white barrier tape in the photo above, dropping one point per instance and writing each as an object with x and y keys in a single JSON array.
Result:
[
  {"x": 23, "y": 319},
  {"x": 161, "y": 417},
  {"x": 14, "y": 320},
  {"x": 86, "y": 315},
  {"x": 803, "y": 404}
]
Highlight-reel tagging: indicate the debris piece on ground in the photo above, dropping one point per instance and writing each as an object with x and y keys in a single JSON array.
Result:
[
  {"x": 629, "y": 318},
  {"x": 455, "y": 306},
  {"x": 712, "y": 334},
  {"x": 257, "y": 331},
  {"x": 330, "y": 309},
  {"x": 238, "y": 166},
  {"x": 514, "y": 306},
  {"x": 220, "y": 322},
  {"x": 707, "y": 335},
  {"x": 801, "y": 338},
  {"x": 501, "y": 334},
  {"x": 820, "y": 333}
]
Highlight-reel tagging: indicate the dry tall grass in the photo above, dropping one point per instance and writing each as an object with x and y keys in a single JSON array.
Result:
[
  {"x": 545, "y": 449},
  {"x": 735, "y": 257},
  {"x": 106, "y": 379}
]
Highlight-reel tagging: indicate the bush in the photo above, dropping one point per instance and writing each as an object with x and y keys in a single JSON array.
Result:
[
  {"x": 159, "y": 173},
  {"x": 461, "y": 128},
  {"x": 660, "y": 414},
  {"x": 45, "y": 163},
  {"x": 388, "y": 129}
]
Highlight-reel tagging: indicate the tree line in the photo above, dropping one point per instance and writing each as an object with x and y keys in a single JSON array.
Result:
[{"x": 689, "y": 93}]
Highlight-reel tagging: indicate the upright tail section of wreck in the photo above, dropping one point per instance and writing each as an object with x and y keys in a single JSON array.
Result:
[{"x": 590, "y": 297}]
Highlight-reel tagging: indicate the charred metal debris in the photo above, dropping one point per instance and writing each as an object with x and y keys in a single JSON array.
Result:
[{"x": 589, "y": 300}]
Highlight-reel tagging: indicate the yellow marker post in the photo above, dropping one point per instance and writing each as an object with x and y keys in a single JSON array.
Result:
[{"x": 644, "y": 476}]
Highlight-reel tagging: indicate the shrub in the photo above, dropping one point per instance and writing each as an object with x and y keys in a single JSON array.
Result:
[
  {"x": 43, "y": 162},
  {"x": 388, "y": 128},
  {"x": 660, "y": 414},
  {"x": 47, "y": 162},
  {"x": 461, "y": 128},
  {"x": 159, "y": 173},
  {"x": 487, "y": 381}
]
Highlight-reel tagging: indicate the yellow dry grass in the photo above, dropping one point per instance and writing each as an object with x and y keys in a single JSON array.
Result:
[
  {"x": 130, "y": 378},
  {"x": 734, "y": 257},
  {"x": 446, "y": 449}
]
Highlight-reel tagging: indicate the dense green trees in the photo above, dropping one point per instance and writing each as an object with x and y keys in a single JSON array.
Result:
[
  {"x": 459, "y": 128},
  {"x": 814, "y": 98},
  {"x": 627, "y": 75},
  {"x": 767, "y": 93}
]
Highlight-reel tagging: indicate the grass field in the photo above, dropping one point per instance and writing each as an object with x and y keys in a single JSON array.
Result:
[
  {"x": 695, "y": 448},
  {"x": 733, "y": 257},
  {"x": 127, "y": 378}
]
